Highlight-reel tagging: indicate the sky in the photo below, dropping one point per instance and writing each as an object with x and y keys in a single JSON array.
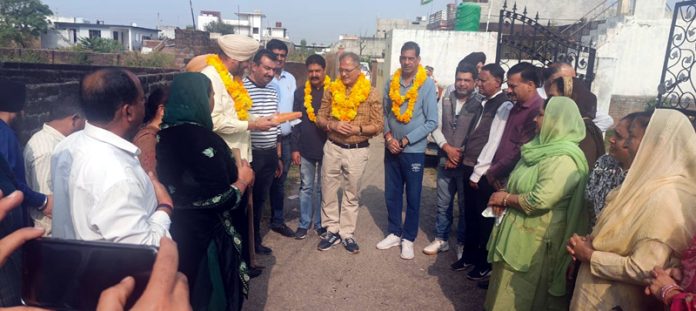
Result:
[{"x": 317, "y": 21}]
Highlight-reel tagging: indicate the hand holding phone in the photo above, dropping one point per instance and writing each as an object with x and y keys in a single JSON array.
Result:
[{"x": 167, "y": 289}]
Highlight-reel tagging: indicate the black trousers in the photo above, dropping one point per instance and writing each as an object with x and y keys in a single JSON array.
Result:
[
  {"x": 478, "y": 228},
  {"x": 264, "y": 164}
]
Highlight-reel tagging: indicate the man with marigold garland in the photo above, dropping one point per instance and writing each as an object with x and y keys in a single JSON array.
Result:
[
  {"x": 351, "y": 113},
  {"x": 307, "y": 143},
  {"x": 231, "y": 117},
  {"x": 410, "y": 113}
]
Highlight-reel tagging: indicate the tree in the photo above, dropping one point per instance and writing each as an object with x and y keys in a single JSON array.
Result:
[
  {"x": 99, "y": 45},
  {"x": 22, "y": 20},
  {"x": 219, "y": 27}
]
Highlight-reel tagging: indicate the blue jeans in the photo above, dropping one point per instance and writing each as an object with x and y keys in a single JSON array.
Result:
[
  {"x": 310, "y": 204},
  {"x": 450, "y": 182},
  {"x": 278, "y": 186},
  {"x": 404, "y": 169}
]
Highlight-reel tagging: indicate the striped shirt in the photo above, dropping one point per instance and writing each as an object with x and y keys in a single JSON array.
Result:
[
  {"x": 265, "y": 103},
  {"x": 37, "y": 165}
]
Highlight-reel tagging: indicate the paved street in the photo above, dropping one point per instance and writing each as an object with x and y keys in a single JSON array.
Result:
[{"x": 299, "y": 277}]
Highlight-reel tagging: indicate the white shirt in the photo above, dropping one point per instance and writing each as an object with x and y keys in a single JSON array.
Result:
[
  {"x": 484, "y": 160},
  {"x": 439, "y": 138},
  {"x": 102, "y": 193},
  {"x": 37, "y": 165}
]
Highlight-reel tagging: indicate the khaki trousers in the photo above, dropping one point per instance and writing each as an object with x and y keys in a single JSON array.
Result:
[{"x": 341, "y": 168}]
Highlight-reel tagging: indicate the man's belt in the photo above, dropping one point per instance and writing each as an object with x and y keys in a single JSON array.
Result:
[{"x": 351, "y": 146}]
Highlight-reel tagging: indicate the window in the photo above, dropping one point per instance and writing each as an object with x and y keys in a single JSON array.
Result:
[
  {"x": 115, "y": 35},
  {"x": 94, "y": 33},
  {"x": 73, "y": 34},
  {"x": 256, "y": 30}
]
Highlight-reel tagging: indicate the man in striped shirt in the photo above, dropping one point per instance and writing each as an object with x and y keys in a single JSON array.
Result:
[
  {"x": 265, "y": 147},
  {"x": 66, "y": 119}
]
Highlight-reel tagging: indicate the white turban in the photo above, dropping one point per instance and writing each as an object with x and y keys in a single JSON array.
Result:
[{"x": 238, "y": 47}]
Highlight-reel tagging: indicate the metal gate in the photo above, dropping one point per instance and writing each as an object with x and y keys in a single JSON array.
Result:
[
  {"x": 676, "y": 89},
  {"x": 522, "y": 38}
]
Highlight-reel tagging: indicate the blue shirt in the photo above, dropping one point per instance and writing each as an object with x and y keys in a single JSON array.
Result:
[
  {"x": 10, "y": 150},
  {"x": 285, "y": 86},
  {"x": 424, "y": 118}
]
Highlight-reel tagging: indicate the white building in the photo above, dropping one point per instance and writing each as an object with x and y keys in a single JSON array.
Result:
[
  {"x": 249, "y": 24},
  {"x": 66, "y": 32}
]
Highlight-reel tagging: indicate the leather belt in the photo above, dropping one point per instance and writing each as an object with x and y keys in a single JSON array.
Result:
[{"x": 351, "y": 146}]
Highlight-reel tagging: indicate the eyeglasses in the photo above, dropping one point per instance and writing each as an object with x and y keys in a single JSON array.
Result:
[{"x": 347, "y": 71}]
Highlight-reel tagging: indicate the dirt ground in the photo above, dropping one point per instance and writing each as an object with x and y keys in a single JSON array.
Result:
[{"x": 299, "y": 277}]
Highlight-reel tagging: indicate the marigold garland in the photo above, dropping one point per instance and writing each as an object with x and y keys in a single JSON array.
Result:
[
  {"x": 235, "y": 87},
  {"x": 308, "y": 98},
  {"x": 343, "y": 107},
  {"x": 412, "y": 94}
]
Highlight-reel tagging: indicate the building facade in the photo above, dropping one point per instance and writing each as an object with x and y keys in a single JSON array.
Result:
[{"x": 66, "y": 32}]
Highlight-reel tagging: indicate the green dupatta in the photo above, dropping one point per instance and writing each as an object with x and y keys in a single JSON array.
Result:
[
  {"x": 561, "y": 131},
  {"x": 188, "y": 101}
]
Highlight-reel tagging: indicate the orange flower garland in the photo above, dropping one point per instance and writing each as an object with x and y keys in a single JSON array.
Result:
[
  {"x": 412, "y": 94},
  {"x": 235, "y": 87},
  {"x": 343, "y": 107},
  {"x": 308, "y": 98}
]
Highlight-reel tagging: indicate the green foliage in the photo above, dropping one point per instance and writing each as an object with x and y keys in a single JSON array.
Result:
[
  {"x": 26, "y": 56},
  {"x": 21, "y": 21},
  {"x": 220, "y": 27},
  {"x": 651, "y": 104},
  {"x": 301, "y": 52},
  {"x": 99, "y": 45},
  {"x": 155, "y": 59}
]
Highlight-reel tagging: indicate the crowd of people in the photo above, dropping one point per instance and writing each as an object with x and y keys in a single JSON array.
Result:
[{"x": 547, "y": 219}]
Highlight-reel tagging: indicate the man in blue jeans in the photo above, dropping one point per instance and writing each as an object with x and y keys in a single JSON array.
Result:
[
  {"x": 405, "y": 139},
  {"x": 284, "y": 84},
  {"x": 459, "y": 112},
  {"x": 307, "y": 146}
]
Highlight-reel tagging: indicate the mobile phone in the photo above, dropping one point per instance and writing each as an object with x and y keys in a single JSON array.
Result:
[{"x": 70, "y": 275}]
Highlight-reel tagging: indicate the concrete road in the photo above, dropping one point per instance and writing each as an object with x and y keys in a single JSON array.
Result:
[{"x": 299, "y": 277}]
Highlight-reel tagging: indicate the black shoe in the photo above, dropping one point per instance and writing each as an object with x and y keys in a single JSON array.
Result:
[
  {"x": 300, "y": 234},
  {"x": 478, "y": 274},
  {"x": 328, "y": 241},
  {"x": 283, "y": 230},
  {"x": 460, "y": 265},
  {"x": 351, "y": 246},
  {"x": 482, "y": 284},
  {"x": 263, "y": 250},
  {"x": 321, "y": 232},
  {"x": 254, "y": 272}
]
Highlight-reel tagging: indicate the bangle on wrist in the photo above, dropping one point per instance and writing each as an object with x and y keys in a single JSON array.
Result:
[
  {"x": 165, "y": 206},
  {"x": 668, "y": 288},
  {"x": 505, "y": 200},
  {"x": 43, "y": 206}
]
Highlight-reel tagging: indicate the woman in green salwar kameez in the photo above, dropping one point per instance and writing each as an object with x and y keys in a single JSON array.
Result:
[{"x": 541, "y": 208}]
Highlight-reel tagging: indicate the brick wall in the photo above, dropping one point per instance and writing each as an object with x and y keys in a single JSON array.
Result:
[
  {"x": 49, "y": 85},
  {"x": 620, "y": 105}
]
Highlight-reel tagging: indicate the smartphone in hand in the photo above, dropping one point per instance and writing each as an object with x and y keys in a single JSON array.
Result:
[{"x": 70, "y": 274}]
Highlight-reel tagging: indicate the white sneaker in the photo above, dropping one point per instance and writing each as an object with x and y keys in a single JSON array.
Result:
[
  {"x": 460, "y": 251},
  {"x": 407, "y": 250},
  {"x": 435, "y": 247},
  {"x": 390, "y": 241}
]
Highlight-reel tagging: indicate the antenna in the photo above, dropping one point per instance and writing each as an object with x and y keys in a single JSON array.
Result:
[{"x": 193, "y": 19}]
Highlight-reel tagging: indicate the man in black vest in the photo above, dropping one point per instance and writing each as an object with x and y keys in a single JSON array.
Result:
[
  {"x": 478, "y": 152},
  {"x": 458, "y": 113}
]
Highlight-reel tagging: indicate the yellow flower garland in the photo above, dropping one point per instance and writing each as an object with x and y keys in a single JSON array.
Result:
[
  {"x": 308, "y": 98},
  {"x": 343, "y": 107},
  {"x": 412, "y": 94},
  {"x": 235, "y": 87}
]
